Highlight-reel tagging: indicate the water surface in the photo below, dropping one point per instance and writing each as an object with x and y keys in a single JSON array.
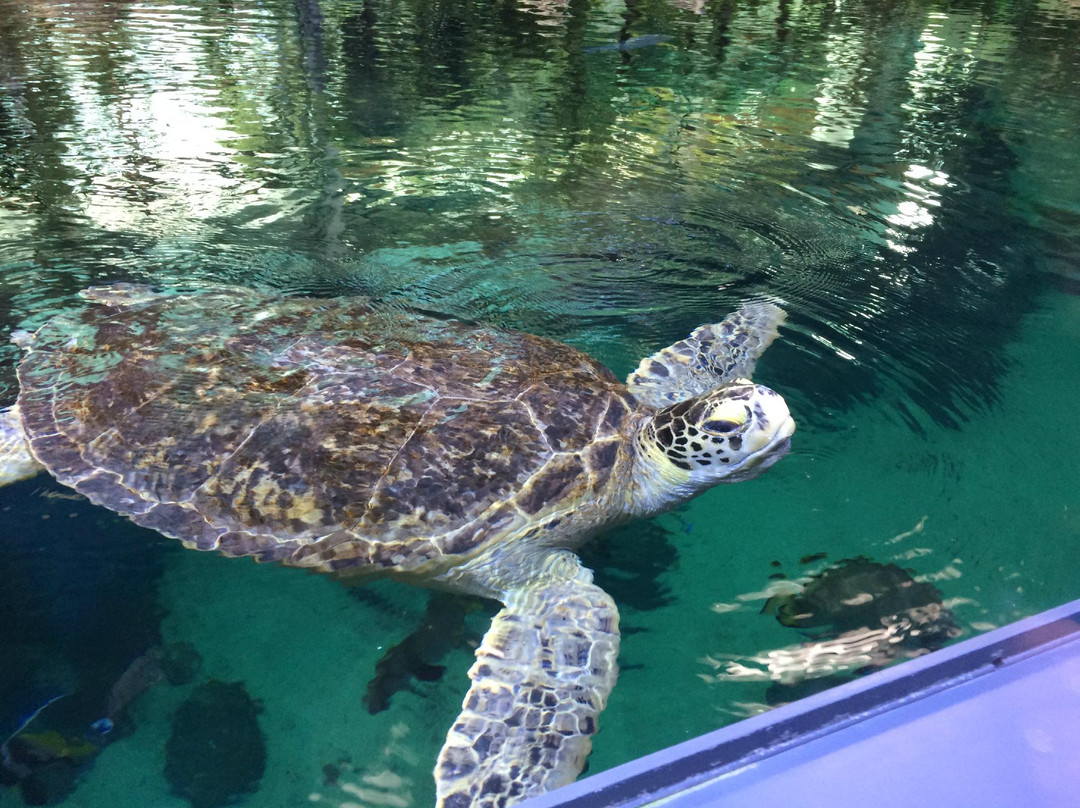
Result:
[{"x": 902, "y": 175}]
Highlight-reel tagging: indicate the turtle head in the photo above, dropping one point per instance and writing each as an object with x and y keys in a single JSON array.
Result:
[{"x": 726, "y": 435}]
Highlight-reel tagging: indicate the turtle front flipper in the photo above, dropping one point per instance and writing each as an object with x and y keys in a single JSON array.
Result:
[
  {"x": 16, "y": 460},
  {"x": 542, "y": 675},
  {"x": 712, "y": 356}
]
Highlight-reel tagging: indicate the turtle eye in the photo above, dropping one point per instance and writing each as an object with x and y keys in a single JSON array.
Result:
[
  {"x": 721, "y": 425},
  {"x": 726, "y": 416}
]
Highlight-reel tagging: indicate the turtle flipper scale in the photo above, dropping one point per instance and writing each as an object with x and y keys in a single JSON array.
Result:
[
  {"x": 542, "y": 675},
  {"x": 712, "y": 356},
  {"x": 16, "y": 461}
]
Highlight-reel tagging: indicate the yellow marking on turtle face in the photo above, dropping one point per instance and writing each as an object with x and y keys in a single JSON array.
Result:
[
  {"x": 659, "y": 460},
  {"x": 733, "y": 410}
]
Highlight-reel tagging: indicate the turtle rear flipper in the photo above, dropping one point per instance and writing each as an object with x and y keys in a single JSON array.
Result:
[
  {"x": 712, "y": 356},
  {"x": 542, "y": 675},
  {"x": 16, "y": 460}
]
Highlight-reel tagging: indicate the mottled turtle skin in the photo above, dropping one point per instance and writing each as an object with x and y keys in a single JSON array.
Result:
[
  {"x": 361, "y": 440},
  {"x": 320, "y": 433}
]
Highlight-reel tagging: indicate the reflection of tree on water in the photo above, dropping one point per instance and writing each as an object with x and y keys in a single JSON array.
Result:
[
  {"x": 915, "y": 142},
  {"x": 377, "y": 124},
  {"x": 857, "y": 615}
]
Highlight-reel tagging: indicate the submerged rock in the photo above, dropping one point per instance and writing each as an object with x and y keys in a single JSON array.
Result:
[
  {"x": 859, "y": 594},
  {"x": 216, "y": 752},
  {"x": 180, "y": 662}
]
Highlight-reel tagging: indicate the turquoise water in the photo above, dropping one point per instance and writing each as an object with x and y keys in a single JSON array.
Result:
[{"x": 902, "y": 175}]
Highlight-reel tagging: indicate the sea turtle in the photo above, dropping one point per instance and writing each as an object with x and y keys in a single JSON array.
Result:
[{"x": 357, "y": 439}]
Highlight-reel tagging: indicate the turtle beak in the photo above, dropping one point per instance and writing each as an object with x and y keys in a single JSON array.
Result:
[
  {"x": 770, "y": 422},
  {"x": 767, "y": 437}
]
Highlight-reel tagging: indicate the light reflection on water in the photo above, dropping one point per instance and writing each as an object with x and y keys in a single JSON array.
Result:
[{"x": 613, "y": 175}]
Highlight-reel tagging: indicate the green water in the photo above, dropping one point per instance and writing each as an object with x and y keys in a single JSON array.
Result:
[{"x": 903, "y": 175}]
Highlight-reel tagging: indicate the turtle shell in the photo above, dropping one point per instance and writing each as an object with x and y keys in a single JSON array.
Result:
[{"x": 323, "y": 433}]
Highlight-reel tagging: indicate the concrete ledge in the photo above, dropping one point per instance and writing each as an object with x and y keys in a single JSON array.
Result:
[{"x": 994, "y": 720}]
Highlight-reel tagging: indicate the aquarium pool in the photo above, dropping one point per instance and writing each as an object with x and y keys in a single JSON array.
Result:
[{"x": 901, "y": 176}]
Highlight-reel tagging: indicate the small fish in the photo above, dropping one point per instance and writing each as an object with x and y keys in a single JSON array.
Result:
[
  {"x": 12, "y": 767},
  {"x": 24, "y": 722},
  {"x": 633, "y": 43},
  {"x": 50, "y": 745}
]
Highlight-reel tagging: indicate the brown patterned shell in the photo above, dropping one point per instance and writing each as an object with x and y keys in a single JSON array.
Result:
[{"x": 317, "y": 432}]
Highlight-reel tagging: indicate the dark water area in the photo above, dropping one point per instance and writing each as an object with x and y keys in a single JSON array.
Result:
[{"x": 903, "y": 176}]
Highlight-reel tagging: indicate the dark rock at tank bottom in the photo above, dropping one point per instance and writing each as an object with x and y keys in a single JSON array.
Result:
[
  {"x": 216, "y": 752},
  {"x": 179, "y": 662}
]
